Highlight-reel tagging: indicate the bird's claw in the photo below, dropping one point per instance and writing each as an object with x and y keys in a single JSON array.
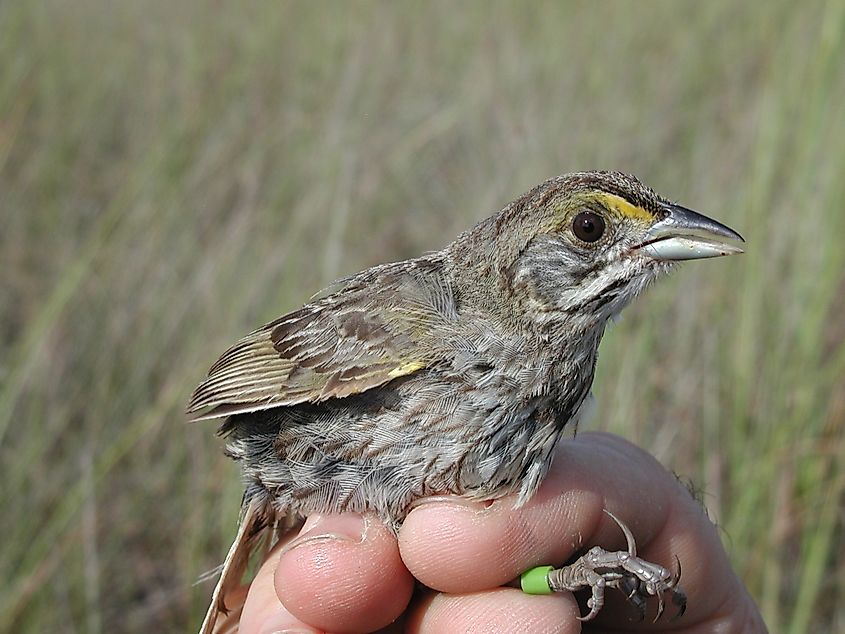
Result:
[{"x": 638, "y": 579}]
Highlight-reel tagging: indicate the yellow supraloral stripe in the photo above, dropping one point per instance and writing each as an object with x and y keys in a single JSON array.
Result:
[{"x": 623, "y": 207}]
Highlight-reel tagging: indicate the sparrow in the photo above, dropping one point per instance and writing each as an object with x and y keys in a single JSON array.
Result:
[{"x": 454, "y": 373}]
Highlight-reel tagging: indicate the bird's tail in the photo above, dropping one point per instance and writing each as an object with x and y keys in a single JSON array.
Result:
[{"x": 257, "y": 532}]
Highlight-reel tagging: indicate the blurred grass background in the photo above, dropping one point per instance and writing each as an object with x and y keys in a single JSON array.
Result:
[{"x": 174, "y": 174}]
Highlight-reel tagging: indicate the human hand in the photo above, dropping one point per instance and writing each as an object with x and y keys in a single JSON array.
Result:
[{"x": 349, "y": 573}]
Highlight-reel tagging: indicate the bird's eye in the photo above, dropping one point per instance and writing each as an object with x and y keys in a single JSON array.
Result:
[{"x": 588, "y": 226}]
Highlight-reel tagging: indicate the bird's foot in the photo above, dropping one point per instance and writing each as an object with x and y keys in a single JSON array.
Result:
[{"x": 600, "y": 569}]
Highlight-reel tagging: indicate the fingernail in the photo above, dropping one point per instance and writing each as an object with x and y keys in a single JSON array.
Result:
[
  {"x": 348, "y": 527},
  {"x": 451, "y": 500}
]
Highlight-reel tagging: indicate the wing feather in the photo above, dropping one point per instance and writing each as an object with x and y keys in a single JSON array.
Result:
[{"x": 374, "y": 327}]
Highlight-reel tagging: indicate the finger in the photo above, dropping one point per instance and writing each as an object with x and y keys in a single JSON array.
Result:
[
  {"x": 263, "y": 612},
  {"x": 499, "y": 610},
  {"x": 460, "y": 547},
  {"x": 344, "y": 574}
]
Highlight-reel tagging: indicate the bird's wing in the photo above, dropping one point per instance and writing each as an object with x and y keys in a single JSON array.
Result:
[{"x": 371, "y": 328}]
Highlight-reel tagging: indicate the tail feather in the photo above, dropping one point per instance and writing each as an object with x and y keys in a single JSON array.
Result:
[{"x": 255, "y": 531}]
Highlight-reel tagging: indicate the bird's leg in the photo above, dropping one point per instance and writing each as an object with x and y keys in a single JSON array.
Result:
[{"x": 600, "y": 569}]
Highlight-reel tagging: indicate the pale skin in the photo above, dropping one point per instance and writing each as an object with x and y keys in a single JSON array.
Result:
[{"x": 348, "y": 573}]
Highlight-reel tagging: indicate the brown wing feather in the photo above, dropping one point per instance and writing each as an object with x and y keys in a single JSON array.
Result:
[{"x": 376, "y": 327}]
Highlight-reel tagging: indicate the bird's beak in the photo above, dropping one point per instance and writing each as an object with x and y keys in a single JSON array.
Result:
[{"x": 684, "y": 234}]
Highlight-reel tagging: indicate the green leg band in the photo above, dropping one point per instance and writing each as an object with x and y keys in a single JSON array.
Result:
[{"x": 536, "y": 580}]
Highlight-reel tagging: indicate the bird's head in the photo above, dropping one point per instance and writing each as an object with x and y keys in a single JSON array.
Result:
[{"x": 581, "y": 246}]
